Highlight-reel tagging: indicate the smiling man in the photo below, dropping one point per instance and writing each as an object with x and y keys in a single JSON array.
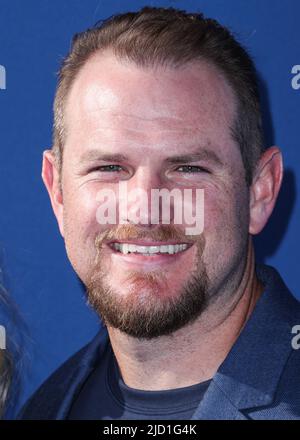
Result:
[{"x": 193, "y": 328}]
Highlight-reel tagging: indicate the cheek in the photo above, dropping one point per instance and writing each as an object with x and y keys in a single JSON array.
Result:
[
  {"x": 79, "y": 212},
  {"x": 81, "y": 227},
  {"x": 225, "y": 223}
]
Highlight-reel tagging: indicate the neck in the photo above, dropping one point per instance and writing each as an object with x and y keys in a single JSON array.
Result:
[{"x": 198, "y": 348}]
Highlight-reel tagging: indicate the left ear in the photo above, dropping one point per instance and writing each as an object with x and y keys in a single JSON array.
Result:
[{"x": 264, "y": 189}]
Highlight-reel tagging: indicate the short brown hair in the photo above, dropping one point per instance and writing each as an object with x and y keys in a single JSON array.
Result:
[{"x": 167, "y": 36}]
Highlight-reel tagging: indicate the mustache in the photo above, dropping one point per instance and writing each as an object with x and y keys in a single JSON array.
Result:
[{"x": 133, "y": 232}]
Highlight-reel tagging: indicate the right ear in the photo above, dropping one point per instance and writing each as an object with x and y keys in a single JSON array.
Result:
[{"x": 50, "y": 176}]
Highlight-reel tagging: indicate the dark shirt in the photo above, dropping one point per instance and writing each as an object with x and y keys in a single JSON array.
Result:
[{"x": 105, "y": 396}]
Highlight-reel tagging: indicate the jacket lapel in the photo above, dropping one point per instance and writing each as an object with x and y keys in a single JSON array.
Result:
[
  {"x": 217, "y": 406},
  {"x": 249, "y": 376},
  {"x": 79, "y": 374}
]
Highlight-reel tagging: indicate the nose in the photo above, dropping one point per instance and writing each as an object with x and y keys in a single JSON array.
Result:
[{"x": 139, "y": 202}]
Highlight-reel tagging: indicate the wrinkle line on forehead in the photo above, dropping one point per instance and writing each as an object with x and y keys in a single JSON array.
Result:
[{"x": 139, "y": 117}]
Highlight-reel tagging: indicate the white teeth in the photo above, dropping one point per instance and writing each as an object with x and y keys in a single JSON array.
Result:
[
  {"x": 124, "y": 248},
  {"x": 153, "y": 249},
  {"x": 171, "y": 249},
  {"x": 164, "y": 249},
  {"x": 131, "y": 248},
  {"x": 142, "y": 249}
]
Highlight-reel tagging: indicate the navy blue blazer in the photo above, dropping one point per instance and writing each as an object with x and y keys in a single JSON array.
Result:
[{"x": 259, "y": 379}]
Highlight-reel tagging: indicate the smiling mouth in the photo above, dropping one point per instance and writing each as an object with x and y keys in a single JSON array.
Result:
[{"x": 149, "y": 250}]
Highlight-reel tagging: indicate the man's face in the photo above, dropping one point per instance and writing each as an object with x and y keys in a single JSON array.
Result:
[{"x": 150, "y": 116}]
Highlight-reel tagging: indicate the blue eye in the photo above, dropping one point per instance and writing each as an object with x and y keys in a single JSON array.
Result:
[
  {"x": 193, "y": 169},
  {"x": 108, "y": 168}
]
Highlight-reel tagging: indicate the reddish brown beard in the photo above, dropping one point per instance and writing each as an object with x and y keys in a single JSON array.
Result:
[{"x": 140, "y": 314}]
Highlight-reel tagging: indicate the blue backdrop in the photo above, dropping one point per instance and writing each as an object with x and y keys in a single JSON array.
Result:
[{"x": 34, "y": 35}]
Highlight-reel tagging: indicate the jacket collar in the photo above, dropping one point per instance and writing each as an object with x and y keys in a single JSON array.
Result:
[
  {"x": 92, "y": 352},
  {"x": 249, "y": 375}
]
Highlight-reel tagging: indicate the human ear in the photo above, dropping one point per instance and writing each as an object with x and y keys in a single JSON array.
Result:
[
  {"x": 50, "y": 176},
  {"x": 265, "y": 188}
]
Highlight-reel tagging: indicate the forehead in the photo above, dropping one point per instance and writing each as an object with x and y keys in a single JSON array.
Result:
[{"x": 122, "y": 103}]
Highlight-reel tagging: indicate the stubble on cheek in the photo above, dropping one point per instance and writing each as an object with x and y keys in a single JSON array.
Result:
[{"x": 227, "y": 235}]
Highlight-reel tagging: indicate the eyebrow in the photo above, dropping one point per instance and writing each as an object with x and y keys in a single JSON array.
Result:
[
  {"x": 94, "y": 155},
  {"x": 200, "y": 154}
]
